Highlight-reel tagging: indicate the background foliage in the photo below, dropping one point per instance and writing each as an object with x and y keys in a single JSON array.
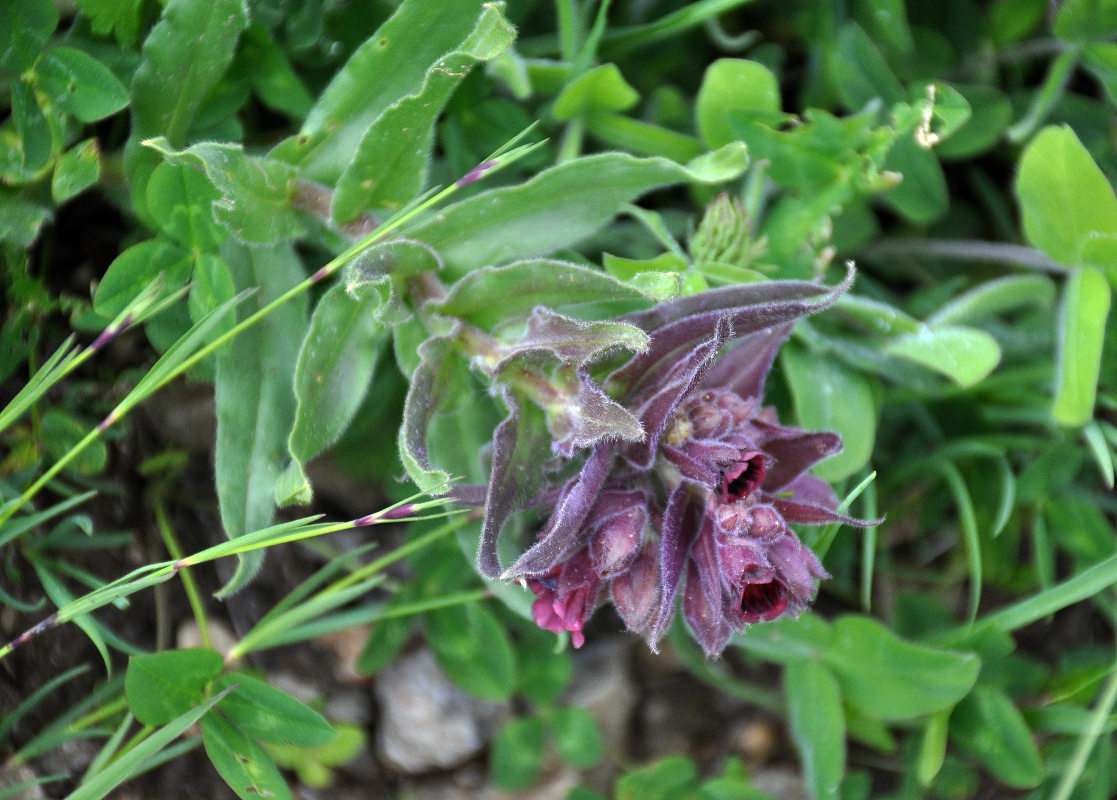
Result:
[{"x": 239, "y": 195}]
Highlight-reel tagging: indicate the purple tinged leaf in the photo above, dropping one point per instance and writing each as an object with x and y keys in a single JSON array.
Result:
[
  {"x": 745, "y": 364},
  {"x": 563, "y": 533},
  {"x": 680, "y": 520},
  {"x": 704, "y": 618},
  {"x": 795, "y": 451},
  {"x": 570, "y": 340},
  {"x": 636, "y": 591},
  {"x": 589, "y": 418},
  {"x": 705, "y": 559},
  {"x": 809, "y": 514},
  {"x": 693, "y": 469},
  {"x": 797, "y": 298},
  {"x": 520, "y": 445},
  {"x": 656, "y": 410}
]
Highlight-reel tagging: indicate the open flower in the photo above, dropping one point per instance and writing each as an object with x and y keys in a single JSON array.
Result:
[{"x": 697, "y": 506}]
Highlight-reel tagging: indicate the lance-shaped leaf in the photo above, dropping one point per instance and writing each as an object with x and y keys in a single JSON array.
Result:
[
  {"x": 794, "y": 452},
  {"x": 389, "y": 166},
  {"x": 681, "y": 521},
  {"x": 561, "y": 205},
  {"x": 335, "y": 366},
  {"x": 573, "y": 290},
  {"x": 563, "y": 531},
  {"x": 390, "y": 65},
  {"x": 520, "y": 446}
]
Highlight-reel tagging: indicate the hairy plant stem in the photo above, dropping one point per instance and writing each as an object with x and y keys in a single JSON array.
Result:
[{"x": 1011, "y": 255}]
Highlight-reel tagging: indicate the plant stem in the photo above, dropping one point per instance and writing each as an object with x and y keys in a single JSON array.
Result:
[
  {"x": 1012, "y": 255},
  {"x": 189, "y": 585}
]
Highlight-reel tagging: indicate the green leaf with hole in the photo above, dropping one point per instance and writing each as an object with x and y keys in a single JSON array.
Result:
[
  {"x": 829, "y": 396},
  {"x": 1064, "y": 197},
  {"x": 80, "y": 84},
  {"x": 516, "y": 760},
  {"x": 890, "y": 679},
  {"x": 577, "y": 737},
  {"x": 965, "y": 355},
  {"x": 733, "y": 85},
  {"x": 241, "y": 762},
  {"x": 184, "y": 57},
  {"x": 472, "y": 648},
  {"x": 1082, "y": 319},
  {"x": 990, "y": 728},
  {"x": 335, "y": 366},
  {"x": 814, "y": 706},
  {"x": 77, "y": 170},
  {"x": 267, "y": 714},
  {"x": 162, "y": 686}
]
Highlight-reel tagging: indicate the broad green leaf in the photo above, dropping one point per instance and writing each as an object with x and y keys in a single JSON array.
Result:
[
  {"x": 987, "y": 726},
  {"x": 473, "y": 650},
  {"x": 965, "y": 355},
  {"x": 121, "y": 17},
  {"x": 543, "y": 673},
  {"x": 829, "y": 396},
  {"x": 733, "y": 85},
  {"x": 602, "y": 88},
  {"x": 922, "y": 195},
  {"x": 273, "y": 78},
  {"x": 80, "y": 84},
  {"x": 795, "y": 161},
  {"x": 179, "y": 199},
  {"x": 162, "y": 686},
  {"x": 241, "y": 762},
  {"x": 859, "y": 71},
  {"x": 1100, "y": 58},
  {"x": 335, "y": 366},
  {"x": 384, "y": 643},
  {"x": 571, "y": 289},
  {"x": 254, "y": 397},
  {"x": 184, "y": 57},
  {"x": 133, "y": 762},
  {"x": 77, "y": 170},
  {"x": 390, "y": 164},
  {"x": 559, "y": 206},
  {"x": 786, "y": 640},
  {"x": 389, "y": 66},
  {"x": 25, "y": 26},
  {"x": 886, "y": 677},
  {"x": 814, "y": 708},
  {"x": 576, "y": 736},
  {"x": 59, "y": 431},
  {"x": 256, "y": 193},
  {"x": 1085, "y": 307},
  {"x": 270, "y": 715},
  {"x": 1086, "y": 20},
  {"x": 1064, "y": 197},
  {"x": 991, "y": 114},
  {"x": 134, "y": 269},
  {"x": 516, "y": 760}
]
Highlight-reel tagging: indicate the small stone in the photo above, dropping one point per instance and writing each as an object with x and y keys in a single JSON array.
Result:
[{"x": 426, "y": 722}]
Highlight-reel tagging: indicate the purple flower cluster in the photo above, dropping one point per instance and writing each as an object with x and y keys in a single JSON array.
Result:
[{"x": 698, "y": 506}]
